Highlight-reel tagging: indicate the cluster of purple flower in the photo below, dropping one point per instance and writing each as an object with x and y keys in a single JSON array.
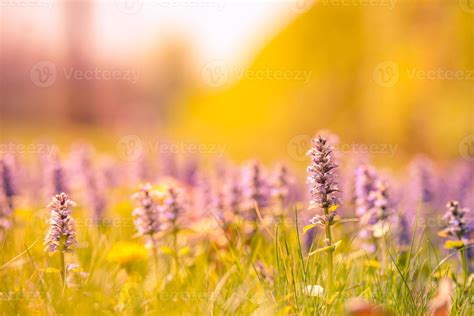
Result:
[
  {"x": 245, "y": 192},
  {"x": 62, "y": 233}
]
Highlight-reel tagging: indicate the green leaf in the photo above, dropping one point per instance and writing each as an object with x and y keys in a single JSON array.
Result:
[
  {"x": 184, "y": 251},
  {"x": 348, "y": 220},
  {"x": 327, "y": 248},
  {"x": 308, "y": 227},
  {"x": 167, "y": 250},
  {"x": 51, "y": 270}
]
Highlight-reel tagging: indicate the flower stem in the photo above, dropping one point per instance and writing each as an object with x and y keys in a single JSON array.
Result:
[
  {"x": 330, "y": 253},
  {"x": 155, "y": 258},
  {"x": 175, "y": 246},
  {"x": 464, "y": 264},
  {"x": 63, "y": 265}
]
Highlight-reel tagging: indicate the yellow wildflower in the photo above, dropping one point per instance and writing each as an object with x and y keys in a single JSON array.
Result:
[{"x": 124, "y": 253}]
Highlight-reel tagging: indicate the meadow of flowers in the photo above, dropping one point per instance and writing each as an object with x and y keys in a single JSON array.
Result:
[{"x": 82, "y": 232}]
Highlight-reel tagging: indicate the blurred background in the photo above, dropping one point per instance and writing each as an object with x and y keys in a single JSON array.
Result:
[{"x": 257, "y": 78}]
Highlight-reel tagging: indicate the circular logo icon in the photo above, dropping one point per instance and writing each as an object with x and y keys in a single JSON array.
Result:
[
  {"x": 467, "y": 6},
  {"x": 215, "y": 74},
  {"x": 130, "y": 148},
  {"x": 386, "y": 74},
  {"x": 301, "y": 6},
  {"x": 43, "y": 74},
  {"x": 466, "y": 148},
  {"x": 298, "y": 146},
  {"x": 129, "y": 6}
]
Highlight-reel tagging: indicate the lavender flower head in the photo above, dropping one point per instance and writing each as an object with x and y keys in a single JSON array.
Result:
[
  {"x": 321, "y": 175},
  {"x": 92, "y": 186},
  {"x": 422, "y": 179},
  {"x": 57, "y": 180},
  {"x": 146, "y": 214},
  {"x": 376, "y": 207},
  {"x": 322, "y": 180},
  {"x": 457, "y": 226},
  {"x": 5, "y": 212},
  {"x": 255, "y": 188},
  {"x": 365, "y": 178},
  {"x": 8, "y": 187},
  {"x": 281, "y": 185},
  {"x": 233, "y": 192},
  {"x": 190, "y": 172},
  {"x": 172, "y": 208},
  {"x": 62, "y": 233},
  {"x": 379, "y": 199},
  {"x": 404, "y": 236}
]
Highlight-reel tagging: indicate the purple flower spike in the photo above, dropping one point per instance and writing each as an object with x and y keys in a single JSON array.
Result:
[
  {"x": 365, "y": 178},
  {"x": 281, "y": 185},
  {"x": 457, "y": 226},
  {"x": 255, "y": 188},
  {"x": 62, "y": 233},
  {"x": 146, "y": 215},
  {"x": 321, "y": 176}
]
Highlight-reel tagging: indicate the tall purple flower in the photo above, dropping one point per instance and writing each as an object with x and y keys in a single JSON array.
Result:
[
  {"x": 380, "y": 210},
  {"x": 57, "y": 182},
  {"x": 203, "y": 195},
  {"x": 5, "y": 211},
  {"x": 8, "y": 186},
  {"x": 146, "y": 216},
  {"x": 457, "y": 226},
  {"x": 255, "y": 188},
  {"x": 459, "y": 229},
  {"x": 233, "y": 192},
  {"x": 280, "y": 189},
  {"x": 110, "y": 171},
  {"x": 168, "y": 163},
  {"x": 62, "y": 233},
  {"x": 404, "y": 236},
  {"x": 140, "y": 170},
  {"x": 422, "y": 180},
  {"x": 324, "y": 190},
  {"x": 92, "y": 184},
  {"x": 321, "y": 174},
  {"x": 373, "y": 206},
  {"x": 190, "y": 172},
  {"x": 173, "y": 208},
  {"x": 364, "y": 184},
  {"x": 462, "y": 184}
]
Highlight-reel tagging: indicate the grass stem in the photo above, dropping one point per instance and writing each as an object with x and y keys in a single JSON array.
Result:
[{"x": 330, "y": 254}]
